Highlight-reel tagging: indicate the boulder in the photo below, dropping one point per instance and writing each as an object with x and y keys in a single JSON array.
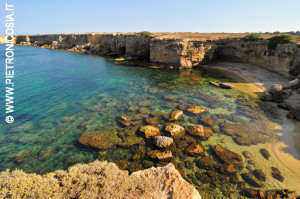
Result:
[
  {"x": 175, "y": 130},
  {"x": 275, "y": 88},
  {"x": 227, "y": 156},
  {"x": 195, "y": 150},
  {"x": 226, "y": 85},
  {"x": 203, "y": 132},
  {"x": 193, "y": 109},
  {"x": 100, "y": 139},
  {"x": 252, "y": 180},
  {"x": 160, "y": 155},
  {"x": 294, "y": 113},
  {"x": 292, "y": 84},
  {"x": 175, "y": 115},
  {"x": 150, "y": 131},
  {"x": 163, "y": 141}
]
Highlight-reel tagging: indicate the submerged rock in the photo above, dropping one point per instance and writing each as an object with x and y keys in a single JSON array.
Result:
[
  {"x": 195, "y": 150},
  {"x": 124, "y": 120},
  {"x": 252, "y": 180},
  {"x": 152, "y": 120},
  {"x": 144, "y": 110},
  {"x": 200, "y": 131},
  {"x": 259, "y": 174},
  {"x": 227, "y": 156},
  {"x": 207, "y": 121},
  {"x": 277, "y": 174},
  {"x": 247, "y": 154},
  {"x": 265, "y": 153},
  {"x": 175, "y": 115},
  {"x": 193, "y": 109},
  {"x": 163, "y": 141},
  {"x": 206, "y": 163},
  {"x": 100, "y": 139},
  {"x": 175, "y": 130},
  {"x": 150, "y": 131},
  {"x": 253, "y": 193},
  {"x": 160, "y": 155}
]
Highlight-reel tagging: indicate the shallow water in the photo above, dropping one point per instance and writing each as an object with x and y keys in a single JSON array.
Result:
[{"x": 61, "y": 95}]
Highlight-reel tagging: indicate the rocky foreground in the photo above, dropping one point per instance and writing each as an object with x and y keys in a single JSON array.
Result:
[{"x": 98, "y": 180}]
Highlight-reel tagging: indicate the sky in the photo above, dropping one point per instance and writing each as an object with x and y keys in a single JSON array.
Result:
[{"x": 81, "y": 16}]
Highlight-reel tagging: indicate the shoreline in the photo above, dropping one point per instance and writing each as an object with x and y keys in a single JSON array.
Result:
[{"x": 285, "y": 149}]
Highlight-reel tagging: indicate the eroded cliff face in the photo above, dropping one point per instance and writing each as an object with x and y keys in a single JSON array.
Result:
[{"x": 178, "y": 53}]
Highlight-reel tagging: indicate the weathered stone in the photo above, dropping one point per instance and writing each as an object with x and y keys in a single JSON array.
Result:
[
  {"x": 175, "y": 130},
  {"x": 259, "y": 174},
  {"x": 150, "y": 131},
  {"x": 175, "y": 115},
  {"x": 100, "y": 139},
  {"x": 226, "y": 85},
  {"x": 292, "y": 84},
  {"x": 277, "y": 174},
  {"x": 195, "y": 150},
  {"x": 163, "y": 141},
  {"x": 275, "y": 88},
  {"x": 160, "y": 155},
  {"x": 203, "y": 132},
  {"x": 294, "y": 113},
  {"x": 105, "y": 180},
  {"x": 227, "y": 156},
  {"x": 265, "y": 153},
  {"x": 193, "y": 109},
  {"x": 252, "y": 180}
]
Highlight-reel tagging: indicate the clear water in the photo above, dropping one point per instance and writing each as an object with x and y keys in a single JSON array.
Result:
[{"x": 57, "y": 91}]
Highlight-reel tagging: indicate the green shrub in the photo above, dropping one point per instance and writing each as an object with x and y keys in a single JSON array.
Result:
[
  {"x": 252, "y": 37},
  {"x": 279, "y": 39},
  {"x": 145, "y": 33},
  {"x": 190, "y": 53}
]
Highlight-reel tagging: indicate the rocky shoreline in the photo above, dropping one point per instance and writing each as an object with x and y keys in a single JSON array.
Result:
[{"x": 175, "y": 53}]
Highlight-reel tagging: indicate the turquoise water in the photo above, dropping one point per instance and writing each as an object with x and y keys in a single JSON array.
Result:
[{"x": 57, "y": 92}]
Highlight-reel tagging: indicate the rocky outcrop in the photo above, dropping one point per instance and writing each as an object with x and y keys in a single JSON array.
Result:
[
  {"x": 98, "y": 180},
  {"x": 178, "y": 53}
]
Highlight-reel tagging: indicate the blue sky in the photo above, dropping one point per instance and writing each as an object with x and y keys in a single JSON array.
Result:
[{"x": 80, "y": 16}]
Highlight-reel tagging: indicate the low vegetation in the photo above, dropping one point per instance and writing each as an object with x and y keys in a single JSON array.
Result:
[
  {"x": 280, "y": 39},
  {"x": 253, "y": 37},
  {"x": 145, "y": 33}
]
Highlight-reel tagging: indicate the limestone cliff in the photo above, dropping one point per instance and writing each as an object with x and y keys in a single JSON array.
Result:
[
  {"x": 178, "y": 53},
  {"x": 98, "y": 180}
]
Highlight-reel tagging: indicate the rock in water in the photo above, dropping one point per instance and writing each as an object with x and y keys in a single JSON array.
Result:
[
  {"x": 195, "y": 150},
  {"x": 175, "y": 115},
  {"x": 175, "y": 130},
  {"x": 203, "y": 132},
  {"x": 160, "y": 155},
  {"x": 265, "y": 153},
  {"x": 163, "y": 141},
  {"x": 277, "y": 174},
  {"x": 252, "y": 180},
  {"x": 150, "y": 131},
  {"x": 227, "y": 156},
  {"x": 193, "y": 109},
  {"x": 100, "y": 139},
  {"x": 226, "y": 85},
  {"x": 259, "y": 174}
]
